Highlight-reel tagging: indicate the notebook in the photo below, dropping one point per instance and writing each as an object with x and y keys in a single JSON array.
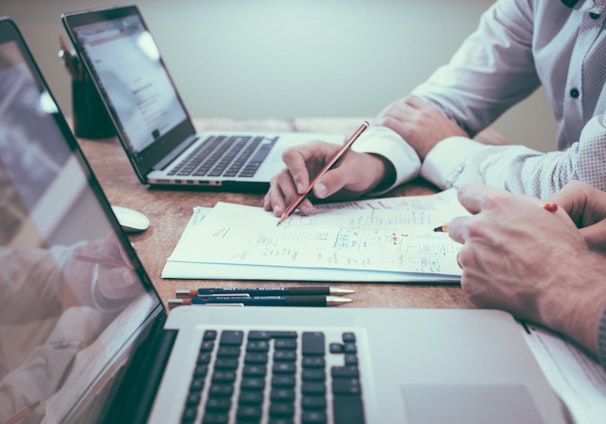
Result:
[
  {"x": 150, "y": 118},
  {"x": 84, "y": 336}
]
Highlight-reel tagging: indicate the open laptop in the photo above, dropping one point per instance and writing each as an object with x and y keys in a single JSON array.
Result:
[
  {"x": 150, "y": 118},
  {"x": 85, "y": 338}
]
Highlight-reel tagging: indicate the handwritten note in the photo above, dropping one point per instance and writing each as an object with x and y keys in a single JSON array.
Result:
[{"x": 388, "y": 239}]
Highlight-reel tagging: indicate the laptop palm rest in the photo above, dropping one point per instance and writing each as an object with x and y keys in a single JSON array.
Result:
[{"x": 469, "y": 404}]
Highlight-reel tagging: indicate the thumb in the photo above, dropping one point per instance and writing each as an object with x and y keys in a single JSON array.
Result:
[{"x": 595, "y": 235}]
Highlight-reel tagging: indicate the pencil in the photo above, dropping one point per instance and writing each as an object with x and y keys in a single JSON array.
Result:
[
  {"x": 101, "y": 261},
  {"x": 340, "y": 153},
  {"x": 20, "y": 414},
  {"x": 549, "y": 207},
  {"x": 68, "y": 59},
  {"x": 441, "y": 229}
]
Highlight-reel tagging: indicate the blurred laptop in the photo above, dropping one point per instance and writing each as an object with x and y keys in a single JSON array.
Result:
[
  {"x": 84, "y": 336},
  {"x": 150, "y": 118}
]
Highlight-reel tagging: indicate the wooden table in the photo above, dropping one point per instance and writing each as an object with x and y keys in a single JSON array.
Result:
[{"x": 170, "y": 210}]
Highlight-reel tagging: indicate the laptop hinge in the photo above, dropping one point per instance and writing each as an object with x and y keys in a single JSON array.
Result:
[
  {"x": 139, "y": 381},
  {"x": 175, "y": 152}
]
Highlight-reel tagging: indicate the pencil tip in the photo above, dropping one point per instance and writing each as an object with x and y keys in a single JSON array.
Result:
[{"x": 177, "y": 302}]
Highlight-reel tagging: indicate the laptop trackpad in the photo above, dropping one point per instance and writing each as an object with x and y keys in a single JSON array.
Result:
[{"x": 428, "y": 404}]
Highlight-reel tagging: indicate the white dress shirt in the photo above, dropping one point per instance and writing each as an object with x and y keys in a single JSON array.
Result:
[{"x": 518, "y": 46}]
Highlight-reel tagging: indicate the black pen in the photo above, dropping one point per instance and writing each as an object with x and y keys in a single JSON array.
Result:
[
  {"x": 262, "y": 301},
  {"x": 266, "y": 291}
]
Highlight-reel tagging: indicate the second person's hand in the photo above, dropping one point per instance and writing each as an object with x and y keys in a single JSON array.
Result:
[{"x": 586, "y": 205}]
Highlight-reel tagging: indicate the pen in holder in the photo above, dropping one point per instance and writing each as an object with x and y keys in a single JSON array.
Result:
[{"x": 91, "y": 119}]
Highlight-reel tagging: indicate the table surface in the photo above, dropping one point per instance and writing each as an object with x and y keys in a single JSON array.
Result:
[{"x": 169, "y": 211}]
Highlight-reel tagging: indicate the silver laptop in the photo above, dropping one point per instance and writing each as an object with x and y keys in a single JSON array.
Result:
[
  {"x": 150, "y": 117},
  {"x": 85, "y": 338}
]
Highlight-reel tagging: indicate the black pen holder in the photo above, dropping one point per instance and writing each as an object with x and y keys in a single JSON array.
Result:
[{"x": 91, "y": 119}]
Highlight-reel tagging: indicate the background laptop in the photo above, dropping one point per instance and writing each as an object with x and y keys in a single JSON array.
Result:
[
  {"x": 150, "y": 118},
  {"x": 85, "y": 338}
]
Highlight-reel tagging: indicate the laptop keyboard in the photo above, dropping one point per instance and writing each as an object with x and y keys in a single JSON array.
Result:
[
  {"x": 226, "y": 156},
  {"x": 275, "y": 377}
]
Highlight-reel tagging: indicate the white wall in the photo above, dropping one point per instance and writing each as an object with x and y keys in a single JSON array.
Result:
[{"x": 291, "y": 58}]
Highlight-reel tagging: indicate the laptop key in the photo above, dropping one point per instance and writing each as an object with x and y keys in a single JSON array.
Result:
[
  {"x": 251, "y": 397},
  {"x": 315, "y": 417},
  {"x": 348, "y": 409},
  {"x": 313, "y": 343},
  {"x": 313, "y": 402}
]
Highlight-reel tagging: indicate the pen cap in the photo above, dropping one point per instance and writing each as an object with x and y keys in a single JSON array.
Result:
[{"x": 91, "y": 119}]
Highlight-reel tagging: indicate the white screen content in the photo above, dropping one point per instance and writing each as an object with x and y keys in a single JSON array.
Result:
[{"x": 127, "y": 62}]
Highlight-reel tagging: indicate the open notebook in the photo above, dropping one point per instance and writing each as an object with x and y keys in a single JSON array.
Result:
[
  {"x": 373, "y": 240},
  {"x": 85, "y": 338}
]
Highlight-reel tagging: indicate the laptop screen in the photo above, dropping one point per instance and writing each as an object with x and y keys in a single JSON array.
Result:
[
  {"x": 72, "y": 293},
  {"x": 126, "y": 64}
]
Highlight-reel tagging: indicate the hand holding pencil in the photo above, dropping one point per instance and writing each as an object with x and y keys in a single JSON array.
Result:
[{"x": 292, "y": 185}]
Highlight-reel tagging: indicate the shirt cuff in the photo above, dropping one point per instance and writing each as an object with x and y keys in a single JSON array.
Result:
[
  {"x": 446, "y": 160},
  {"x": 383, "y": 141}
]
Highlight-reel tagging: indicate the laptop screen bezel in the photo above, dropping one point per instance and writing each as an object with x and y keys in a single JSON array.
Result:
[{"x": 175, "y": 139}]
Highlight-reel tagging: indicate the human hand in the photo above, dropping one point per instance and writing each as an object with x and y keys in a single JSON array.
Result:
[
  {"x": 100, "y": 274},
  {"x": 586, "y": 205},
  {"x": 419, "y": 124},
  {"x": 355, "y": 174},
  {"x": 533, "y": 263}
]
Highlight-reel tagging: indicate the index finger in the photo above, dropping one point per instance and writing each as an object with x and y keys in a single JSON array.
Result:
[
  {"x": 475, "y": 197},
  {"x": 304, "y": 160},
  {"x": 458, "y": 229}
]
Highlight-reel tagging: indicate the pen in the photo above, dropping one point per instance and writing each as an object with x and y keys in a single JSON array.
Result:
[
  {"x": 262, "y": 301},
  {"x": 265, "y": 291},
  {"x": 101, "y": 261},
  {"x": 340, "y": 153},
  {"x": 68, "y": 58}
]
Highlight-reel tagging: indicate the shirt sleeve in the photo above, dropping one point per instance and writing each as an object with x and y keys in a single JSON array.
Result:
[
  {"x": 519, "y": 169},
  {"x": 383, "y": 141},
  {"x": 492, "y": 70}
]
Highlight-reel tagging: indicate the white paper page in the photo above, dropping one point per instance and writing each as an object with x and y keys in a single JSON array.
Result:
[
  {"x": 208, "y": 271},
  {"x": 575, "y": 377},
  {"x": 387, "y": 235}
]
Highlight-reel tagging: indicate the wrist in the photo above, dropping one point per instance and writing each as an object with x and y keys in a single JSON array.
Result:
[
  {"x": 577, "y": 309},
  {"x": 384, "y": 172}
]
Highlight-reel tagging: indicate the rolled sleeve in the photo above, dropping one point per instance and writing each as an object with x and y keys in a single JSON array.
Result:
[
  {"x": 382, "y": 141},
  {"x": 445, "y": 162}
]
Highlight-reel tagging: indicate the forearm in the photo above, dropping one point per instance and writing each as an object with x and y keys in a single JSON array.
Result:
[
  {"x": 601, "y": 339},
  {"x": 491, "y": 71},
  {"x": 29, "y": 275},
  {"x": 518, "y": 169}
]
